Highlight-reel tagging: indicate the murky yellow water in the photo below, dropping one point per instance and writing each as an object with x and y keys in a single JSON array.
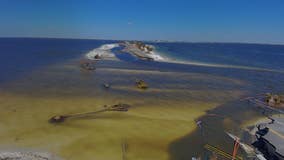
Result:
[{"x": 159, "y": 115}]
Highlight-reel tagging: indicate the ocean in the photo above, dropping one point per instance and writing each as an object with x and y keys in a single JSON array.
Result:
[{"x": 189, "y": 82}]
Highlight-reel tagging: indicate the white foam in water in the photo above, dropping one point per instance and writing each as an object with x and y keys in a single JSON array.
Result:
[
  {"x": 157, "y": 57},
  {"x": 103, "y": 51},
  {"x": 26, "y": 155},
  {"x": 223, "y": 66}
]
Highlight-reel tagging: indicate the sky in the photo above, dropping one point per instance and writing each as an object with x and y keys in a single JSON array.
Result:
[{"x": 254, "y": 21}]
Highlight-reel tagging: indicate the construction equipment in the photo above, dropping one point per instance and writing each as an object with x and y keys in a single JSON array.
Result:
[
  {"x": 141, "y": 84},
  {"x": 221, "y": 152},
  {"x": 250, "y": 152},
  {"x": 236, "y": 147}
]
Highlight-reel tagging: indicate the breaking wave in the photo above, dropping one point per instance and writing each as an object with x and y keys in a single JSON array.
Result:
[
  {"x": 158, "y": 57},
  {"x": 103, "y": 51}
]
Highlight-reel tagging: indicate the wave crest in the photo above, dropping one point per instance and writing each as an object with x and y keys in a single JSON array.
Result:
[
  {"x": 158, "y": 57},
  {"x": 103, "y": 51}
]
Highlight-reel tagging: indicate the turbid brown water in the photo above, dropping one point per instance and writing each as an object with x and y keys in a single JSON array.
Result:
[{"x": 161, "y": 123}]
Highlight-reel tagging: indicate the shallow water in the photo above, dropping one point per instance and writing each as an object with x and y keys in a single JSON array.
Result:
[{"x": 161, "y": 124}]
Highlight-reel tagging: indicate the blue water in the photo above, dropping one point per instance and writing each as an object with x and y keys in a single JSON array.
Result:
[
  {"x": 123, "y": 55},
  {"x": 252, "y": 55},
  {"x": 19, "y": 56}
]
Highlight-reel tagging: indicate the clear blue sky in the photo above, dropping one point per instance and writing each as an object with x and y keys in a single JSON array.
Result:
[{"x": 259, "y": 21}]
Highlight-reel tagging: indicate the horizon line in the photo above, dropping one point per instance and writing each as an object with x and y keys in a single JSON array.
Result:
[{"x": 155, "y": 41}]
